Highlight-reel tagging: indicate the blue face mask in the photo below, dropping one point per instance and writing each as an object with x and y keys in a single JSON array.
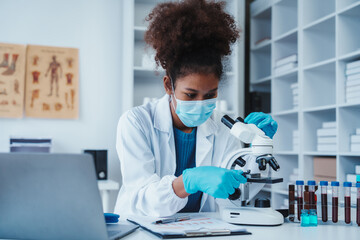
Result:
[{"x": 194, "y": 113}]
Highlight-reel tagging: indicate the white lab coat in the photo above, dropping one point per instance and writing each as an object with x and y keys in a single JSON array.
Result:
[{"x": 146, "y": 149}]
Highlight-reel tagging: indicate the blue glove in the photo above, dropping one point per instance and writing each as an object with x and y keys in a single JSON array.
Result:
[
  {"x": 263, "y": 121},
  {"x": 215, "y": 181},
  {"x": 111, "y": 217}
]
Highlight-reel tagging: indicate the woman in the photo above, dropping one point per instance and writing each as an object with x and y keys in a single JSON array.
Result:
[{"x": 170, "y": 150}]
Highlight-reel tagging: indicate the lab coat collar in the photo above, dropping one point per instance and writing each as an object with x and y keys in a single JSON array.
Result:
[
  {"x": 162, "y": 116},
  {"x": 163, "y": 119}
]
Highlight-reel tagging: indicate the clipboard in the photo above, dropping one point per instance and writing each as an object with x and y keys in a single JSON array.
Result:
[{"x": 197, "y": 226}]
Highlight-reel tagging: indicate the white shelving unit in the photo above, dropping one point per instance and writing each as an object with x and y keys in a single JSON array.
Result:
[
  {"x": 141, "y": 82},
  {"x": 326, "y": 36}
]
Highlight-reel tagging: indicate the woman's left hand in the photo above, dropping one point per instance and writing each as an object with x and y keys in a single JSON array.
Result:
[{"x": 263, "y": 121}]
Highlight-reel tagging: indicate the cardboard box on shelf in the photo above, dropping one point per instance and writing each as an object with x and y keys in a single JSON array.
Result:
[{"x": 325, "y": 167}]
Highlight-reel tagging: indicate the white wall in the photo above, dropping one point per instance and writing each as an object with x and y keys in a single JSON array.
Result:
[{"x": 93, "y": 26}]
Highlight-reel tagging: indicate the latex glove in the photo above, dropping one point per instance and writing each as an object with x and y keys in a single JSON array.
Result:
[
  {"x": 215, "y": 181},
  {"x": 111, "y": 217},
  {"x": 263, "y": 121}
]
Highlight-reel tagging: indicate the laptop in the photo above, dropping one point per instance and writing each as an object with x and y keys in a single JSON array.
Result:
[{"x": 52, "y": 196}]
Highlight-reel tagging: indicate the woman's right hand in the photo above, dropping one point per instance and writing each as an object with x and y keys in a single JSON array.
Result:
[{"x": 215, "y": 181}]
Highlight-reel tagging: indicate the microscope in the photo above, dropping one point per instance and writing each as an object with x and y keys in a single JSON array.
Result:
[{"x": 260, "y": 214}]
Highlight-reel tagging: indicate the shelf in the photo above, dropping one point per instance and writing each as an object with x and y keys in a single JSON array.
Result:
[
  {"x": 261, "y": 45},
  {"x": 261, "y": 26},
  {"x": 319, "y": 42},
  {"x": 317, "y": 9},
  {"x": 141, "y": 9},
  {"x": 320, "y": 154},
  {"x": 350, "y": 105},
  {"x": 319, "y": 64},
  {"x": 281, "y": 87},
  {"x": 284, "y": 113},
  {"x": 352, "y": 55},
  {"x": 319, "y": 21},
  {"x": 139, "y": 32},
  {"x": 285, "y": 16},
  {"x": 345, "y": 5},
  {"x": 348, "y": 27},
  {"x": 285, "y": 47},
  {"x": 312, "y": 122},
  {"x": 319, "y": 109},
  {"x": 287, "y": 34},
  {"x": 264, "y": 86},
  {"x": 260, "y": 63},
  {"x": 350, "y": 154},
  {"x": 346, "y": 165},
  {"x": 260, "y": 8},
  {"x": 283, "y": 139},
  {"x": 348, "y": 122},
  {"x": 290, "y": 73},
  {"x": 262, "y": 80},
  {"x": 320, "y": 79},
  {"x": 325, "y": 35}
]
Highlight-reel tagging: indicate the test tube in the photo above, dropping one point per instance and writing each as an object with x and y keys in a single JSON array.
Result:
[
  {"x": 312, "y": 202},
  {"x": 347, "y": 201},
  {"x": 300, "y": 197},
  {"x": 291, "y": 202},
  {"x": 306, "y": 197},
  {"x": 358, "y": 204},
  {"x": 335, "y": 200},
  {"x": 324, "y": 207}
]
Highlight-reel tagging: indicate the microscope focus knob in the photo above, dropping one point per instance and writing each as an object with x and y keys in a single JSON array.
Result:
[
  {"x": 236, "y": 195},
  {"x": 262, "y": 203}
]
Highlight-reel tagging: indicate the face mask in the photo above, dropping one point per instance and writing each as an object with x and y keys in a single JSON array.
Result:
[{"x": 194, "y": 113}]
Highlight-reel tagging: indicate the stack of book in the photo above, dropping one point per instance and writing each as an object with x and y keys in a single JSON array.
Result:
[
  {"x": 352, "y": 82},
  {"x": 327, "y": 137},
  {"x": 18, "y": 144},
  {"x": 295, "y": 92},
  {"x": 355, "y": 141},
  {"x": 286, "y": 64},
  {"x": 296, "y": 140}
]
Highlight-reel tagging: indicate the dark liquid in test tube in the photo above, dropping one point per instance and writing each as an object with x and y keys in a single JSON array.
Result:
[
  {"x": 312, "y": 200},
  {"x": 335, "y": 202},
  {"x": 324, "y": 209},
  {"x": 347, "y": 210},
  {"x": 300, "y": 206}
]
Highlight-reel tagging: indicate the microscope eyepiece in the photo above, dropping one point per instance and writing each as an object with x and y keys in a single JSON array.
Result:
[
  {"x": 273, "y": 163},
  {"x": 228, "y": 121}
]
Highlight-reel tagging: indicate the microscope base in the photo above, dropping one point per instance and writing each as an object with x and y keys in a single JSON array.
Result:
[{"x": 252, "y": 216}]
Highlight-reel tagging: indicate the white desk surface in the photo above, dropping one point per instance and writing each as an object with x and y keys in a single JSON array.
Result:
[{"x": 287, "y": 231}]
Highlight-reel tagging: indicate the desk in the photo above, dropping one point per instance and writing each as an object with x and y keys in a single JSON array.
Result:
[
  {"x": 105, "y": 186},
  {"x": 287, "y": 231}
]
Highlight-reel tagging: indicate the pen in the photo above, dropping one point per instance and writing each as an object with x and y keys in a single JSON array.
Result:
[{"x": 170, "y": 220}]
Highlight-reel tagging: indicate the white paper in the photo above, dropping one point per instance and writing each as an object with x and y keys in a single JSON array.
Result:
[{"x": 197, "y": 222}]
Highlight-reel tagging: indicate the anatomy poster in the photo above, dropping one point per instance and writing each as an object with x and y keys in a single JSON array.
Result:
[
  {"x": 12, "y": 80},
  {"x": 52, "y": 82}
]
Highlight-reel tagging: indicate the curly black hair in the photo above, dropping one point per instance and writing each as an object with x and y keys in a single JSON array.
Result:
[{"x": 191, "y": 36}]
